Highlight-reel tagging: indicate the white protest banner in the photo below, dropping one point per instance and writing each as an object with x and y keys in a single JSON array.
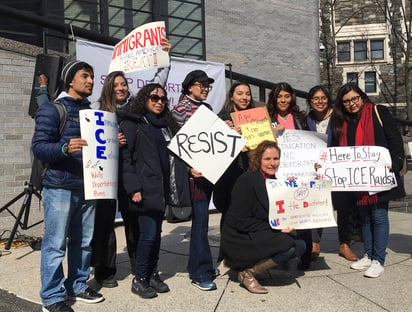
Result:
[
  {"x": 207, "y": 144},
  {"x": 141, "y": 49},
  {"x": 356, "y": 168},
  {"x": 99, "y": 57},
  {"x": 300, "y": 204},
  {"x": 299, "y": 152},
  {"x": 100, "y": 156}
]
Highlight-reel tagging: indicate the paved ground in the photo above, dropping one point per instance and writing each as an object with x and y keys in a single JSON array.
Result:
[{"x": 330, "y": 285}]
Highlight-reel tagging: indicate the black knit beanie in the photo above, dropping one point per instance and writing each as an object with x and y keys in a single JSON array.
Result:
[{"x": 70, "y": 69}]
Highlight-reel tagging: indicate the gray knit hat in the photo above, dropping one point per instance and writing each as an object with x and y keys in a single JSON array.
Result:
[{"x": 70, "y": 69}]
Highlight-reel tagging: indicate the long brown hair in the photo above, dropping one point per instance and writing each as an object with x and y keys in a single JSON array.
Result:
[
  {"x": 108, "y": 96},
  {"x": 229, "y": 105}
]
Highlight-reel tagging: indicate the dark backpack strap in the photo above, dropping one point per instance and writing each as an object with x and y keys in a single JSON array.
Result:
[
  {"x": 61, "y": 109},
  {"x": 43, "y": 166}
]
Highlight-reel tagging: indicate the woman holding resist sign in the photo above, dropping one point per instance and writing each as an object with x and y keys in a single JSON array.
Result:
[
  {"x": 196, "y": 87},
  {"x": 356, "y": 121}
]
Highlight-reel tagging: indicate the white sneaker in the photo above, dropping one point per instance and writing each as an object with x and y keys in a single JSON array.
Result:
[
  {"x": 362, "y": 264},
  {"x": 375, "y": 270}
]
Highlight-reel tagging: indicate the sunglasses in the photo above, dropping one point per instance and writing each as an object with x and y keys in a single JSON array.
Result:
[{"x": 155, "y": 98}]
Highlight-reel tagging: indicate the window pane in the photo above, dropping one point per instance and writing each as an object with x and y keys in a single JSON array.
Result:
[
  {"x": 377, "y": 49},
  {"x": 370, "y": 82},
  {"x": 352, "y": 78},
  {"x": 343, "y": 52},
  {"x": 360, "y": 50}
]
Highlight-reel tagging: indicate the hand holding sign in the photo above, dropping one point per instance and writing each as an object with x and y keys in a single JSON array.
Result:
[{"x": 142, "y": 49}]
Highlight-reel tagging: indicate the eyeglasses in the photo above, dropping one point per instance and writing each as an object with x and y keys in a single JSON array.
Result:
[
  {"x": 155, "y": 98},
  {"x": 203, "y": 87},
  {"x": 353, "y": 100},
  {"x": 318, "y": 99}
]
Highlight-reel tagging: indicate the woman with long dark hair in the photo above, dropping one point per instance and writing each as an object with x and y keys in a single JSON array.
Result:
[
  {"x": 356, "y": 122},
  {"x": 283, "y": 109},
  {"x": 239, "y": 98},
  {"x": 151, "y": 178}
]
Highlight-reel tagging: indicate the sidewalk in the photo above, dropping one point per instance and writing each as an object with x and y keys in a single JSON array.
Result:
[{"x": 330, "y": 285}]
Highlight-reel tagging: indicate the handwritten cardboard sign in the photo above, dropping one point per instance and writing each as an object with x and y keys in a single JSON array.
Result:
[
  {"x": 207, "y": 144},
  {"x": 141, "y": 49},
  {"x": 356, "y": 168},
  {"x": 299, "y": 152},
  {"x": 255, "y": 125},
  {"x": 300, "y": 204},
  {"x": 101, "y": 155}
]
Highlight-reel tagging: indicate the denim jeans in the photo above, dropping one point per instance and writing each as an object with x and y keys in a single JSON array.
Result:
[
  {"x": 69, "y": 220},
  {"x": 148, "y": 246},
  {"x": 200, "y": 265},
  {"x": 375, "y": 230},
  {"x": 296, "y": 251}
]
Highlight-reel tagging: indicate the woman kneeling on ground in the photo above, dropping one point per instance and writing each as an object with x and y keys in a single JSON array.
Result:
[{"x": 249, "y": 244}]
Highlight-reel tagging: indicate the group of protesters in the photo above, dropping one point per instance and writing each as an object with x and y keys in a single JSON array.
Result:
[{"x": 151, "y": 177}]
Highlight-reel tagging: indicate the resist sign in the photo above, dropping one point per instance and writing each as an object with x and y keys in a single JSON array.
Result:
[
  {"x": 207, "y": 144},
  {"x": 100, "y": 156}
]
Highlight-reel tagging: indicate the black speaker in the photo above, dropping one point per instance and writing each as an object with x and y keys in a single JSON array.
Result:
[{"x": 51, "y": 66}]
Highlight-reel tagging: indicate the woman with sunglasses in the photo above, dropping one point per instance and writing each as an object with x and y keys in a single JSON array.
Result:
[
  {"x": 115, "y": 97},
  {"x": 150, "y": 178},
  {"x": 355, "y": 121}
]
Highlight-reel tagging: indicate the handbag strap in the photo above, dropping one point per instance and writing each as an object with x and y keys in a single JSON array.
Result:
[{"x": 377, "y": 115}]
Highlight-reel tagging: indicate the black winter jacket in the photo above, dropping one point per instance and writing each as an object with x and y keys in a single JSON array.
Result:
[{"x": 140, "y": 170}]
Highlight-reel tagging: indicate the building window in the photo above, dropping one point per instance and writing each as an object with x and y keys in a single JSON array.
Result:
[
  {"x": 370, "y": 82},
  {"x": 376, "y": 49},
  {"x": 352, "y": 78},
  {"x": 360, "y": 50},
  {"x": 344, "y": 51}
]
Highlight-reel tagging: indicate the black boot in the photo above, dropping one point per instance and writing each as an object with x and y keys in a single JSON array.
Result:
[{"x": 142, "y": 288}]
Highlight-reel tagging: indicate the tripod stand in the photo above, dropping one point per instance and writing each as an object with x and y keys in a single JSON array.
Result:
[{"x": 28, "y": 192}]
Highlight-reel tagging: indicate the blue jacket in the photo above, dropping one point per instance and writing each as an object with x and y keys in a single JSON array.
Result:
[{"x": 63, "y": 171}]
